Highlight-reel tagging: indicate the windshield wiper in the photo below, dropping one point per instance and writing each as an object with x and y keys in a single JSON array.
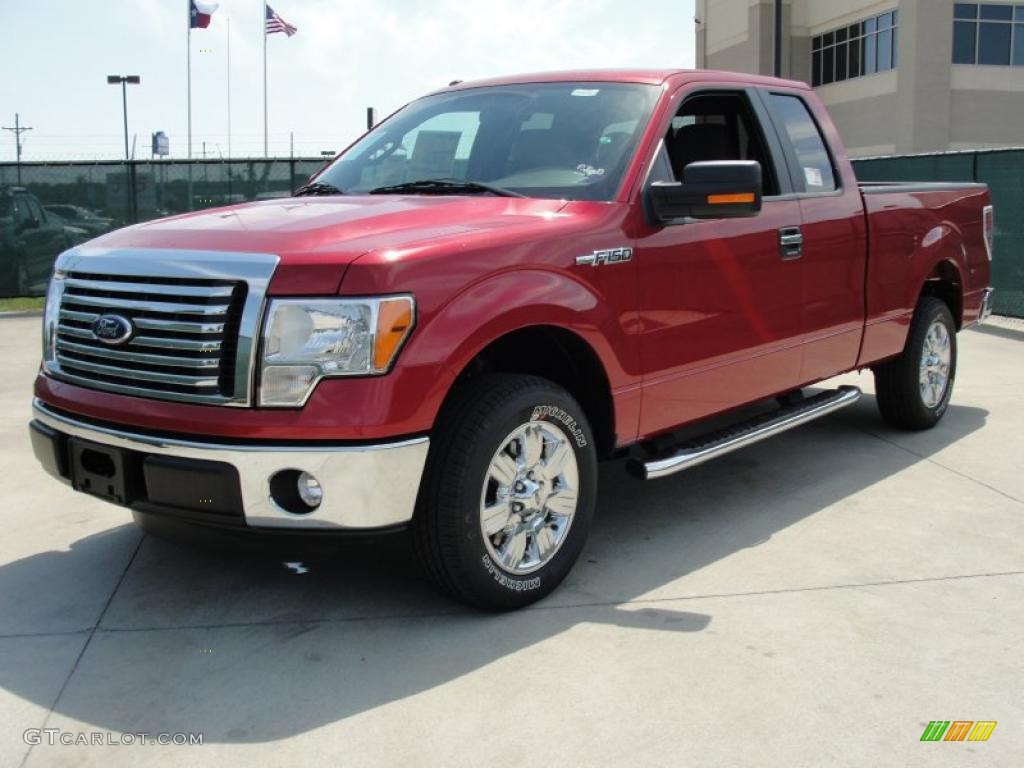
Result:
[
  {"x": 317, "y": 188},
  {"x": 443, "y": 186}
]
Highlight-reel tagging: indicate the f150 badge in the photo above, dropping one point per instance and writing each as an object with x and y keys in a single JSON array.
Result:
[{"x": 608, "y": 256}]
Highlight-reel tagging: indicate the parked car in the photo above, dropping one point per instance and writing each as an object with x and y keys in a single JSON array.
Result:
[
  {"x": 30, "y": 241},
  {"x": 88, "y": 220},
  {"x": 501, "y": 284},
  {"x": 75, "y": 234}
]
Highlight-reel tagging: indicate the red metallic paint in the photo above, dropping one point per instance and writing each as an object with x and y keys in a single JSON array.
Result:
[
  {"x": 910, "y": 234},
  {"x": 705, "y": 317}
]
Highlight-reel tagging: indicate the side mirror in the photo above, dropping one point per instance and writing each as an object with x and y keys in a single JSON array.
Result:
[{"x": 722, "y": 189}]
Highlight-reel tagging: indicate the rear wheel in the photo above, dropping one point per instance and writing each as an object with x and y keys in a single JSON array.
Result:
[
  {"x": 508, "y": 493},
  {"x": 914, "y": 389}
]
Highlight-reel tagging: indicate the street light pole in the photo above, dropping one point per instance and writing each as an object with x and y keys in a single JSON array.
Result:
[
  {"x": 125, "y": 81},
  {"x": 124, "y": 103}
]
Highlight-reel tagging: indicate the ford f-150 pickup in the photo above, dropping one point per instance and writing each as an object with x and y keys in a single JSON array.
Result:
[{"x": 451, "y": 323}]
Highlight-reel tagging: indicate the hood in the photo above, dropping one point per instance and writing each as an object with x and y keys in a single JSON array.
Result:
[{"x": 318, "y": 237}]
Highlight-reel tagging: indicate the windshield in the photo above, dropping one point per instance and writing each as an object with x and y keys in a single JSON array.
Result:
[{"x": 555, "y": 140}]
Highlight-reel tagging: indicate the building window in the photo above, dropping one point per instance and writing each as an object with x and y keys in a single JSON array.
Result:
[
  {"x": 860, "y": 49},
  {"x": 984, "y": 33}
]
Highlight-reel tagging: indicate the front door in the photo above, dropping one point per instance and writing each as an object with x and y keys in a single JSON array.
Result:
[{"x": 720, "y": 301}]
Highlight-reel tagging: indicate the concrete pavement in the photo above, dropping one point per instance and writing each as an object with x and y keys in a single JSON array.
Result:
[{"x": 812, "y": 600}]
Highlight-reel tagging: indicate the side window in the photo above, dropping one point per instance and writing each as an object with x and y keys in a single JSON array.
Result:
[
  {"x": 22, "y": 214},
  {"x": 35, "y": 211},
  {"x": 718, "y": 126},
  {"x": 815, "y": 171}
]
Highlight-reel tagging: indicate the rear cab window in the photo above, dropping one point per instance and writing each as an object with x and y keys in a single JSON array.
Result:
[{"x": 814, "y": 171}]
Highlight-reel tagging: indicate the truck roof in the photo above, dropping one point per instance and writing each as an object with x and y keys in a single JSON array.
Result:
[{"x": 645, "y": 76}]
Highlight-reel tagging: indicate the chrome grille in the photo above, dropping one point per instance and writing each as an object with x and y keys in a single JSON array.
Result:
[
  {"x": 192, "y": 337},
  {"x": 184, "y": 340}
]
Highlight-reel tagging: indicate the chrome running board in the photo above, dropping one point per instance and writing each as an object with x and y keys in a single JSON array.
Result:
[{"x": 714, "y": 444}]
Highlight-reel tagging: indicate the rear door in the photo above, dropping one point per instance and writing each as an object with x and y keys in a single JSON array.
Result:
[
  {"x": 832, "y": 231},
  {"x": 719, "y": 300}
]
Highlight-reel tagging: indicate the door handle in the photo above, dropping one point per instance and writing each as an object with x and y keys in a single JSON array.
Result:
[{"x": 791, "y": 243}]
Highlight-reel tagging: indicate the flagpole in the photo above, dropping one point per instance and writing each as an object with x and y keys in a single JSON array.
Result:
[
  {"x": 266, "y": 152},
  {"x": 188, "y": 58},
  {"x": 229, "y": 87}
]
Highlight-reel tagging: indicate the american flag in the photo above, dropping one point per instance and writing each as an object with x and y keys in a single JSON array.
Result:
[{"x": 276, "y": 24}]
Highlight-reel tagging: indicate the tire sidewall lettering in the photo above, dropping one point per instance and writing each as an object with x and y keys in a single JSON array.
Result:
[
  {"x": 554, "y": 413},
  {"x": 510, "y": 582}
]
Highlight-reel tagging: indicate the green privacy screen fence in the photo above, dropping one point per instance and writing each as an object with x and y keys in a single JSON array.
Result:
[
  {"x": 46, "y": 207},
  {"x": 1003, "y": 171}
]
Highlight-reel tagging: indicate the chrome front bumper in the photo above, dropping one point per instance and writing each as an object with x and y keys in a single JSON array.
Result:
[{"x": 364, "y": 487}]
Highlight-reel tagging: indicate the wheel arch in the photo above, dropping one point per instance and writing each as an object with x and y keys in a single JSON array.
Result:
[
  {"x": 555, "y": 353},
  {"x": 945, "y": 282}
]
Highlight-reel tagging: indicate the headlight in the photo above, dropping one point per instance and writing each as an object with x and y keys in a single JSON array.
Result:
[
  {"x": 51, "y": 315},
  {"x": 306, "y": 340}
]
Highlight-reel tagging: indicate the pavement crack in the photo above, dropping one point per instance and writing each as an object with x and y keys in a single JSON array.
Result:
[
  {"x": 795, "y": 590},
  {"x": 85, "y": 645},
  {"x": 29, "y": 635},
  {"x": 940, "y": 465},
  {"x": 561, "y": 607}
]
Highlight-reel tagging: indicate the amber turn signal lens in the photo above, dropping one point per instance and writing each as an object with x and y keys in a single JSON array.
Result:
[
  {"x": 394, "y": 321},
  {"x": 739, "y": 197}
]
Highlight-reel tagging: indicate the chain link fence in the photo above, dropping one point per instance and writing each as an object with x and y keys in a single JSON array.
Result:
[
  {"x": 46, "y": 208},
  {"x": 1003, "y": 171}
]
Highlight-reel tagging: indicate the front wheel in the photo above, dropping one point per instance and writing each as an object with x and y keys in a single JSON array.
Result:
[
  {"x": 508, "y": 493},
  {"x": 914, "y": 389}
]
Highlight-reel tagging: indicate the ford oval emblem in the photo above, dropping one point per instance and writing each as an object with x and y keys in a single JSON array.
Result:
[{"x": 112, "y": 329}]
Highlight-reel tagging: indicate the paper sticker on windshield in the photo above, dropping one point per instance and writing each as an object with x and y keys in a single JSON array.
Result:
[
  {"x": 813, "y": 177},
  {"x": 586, "y": 92}
]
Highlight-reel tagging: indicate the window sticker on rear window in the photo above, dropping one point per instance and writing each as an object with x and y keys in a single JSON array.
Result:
[
  {"x": 813, "y": 177},
  {"x": 586, "y": 91}
]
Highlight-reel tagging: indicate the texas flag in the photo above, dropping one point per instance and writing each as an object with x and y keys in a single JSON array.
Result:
[{"x": 200, "y": 13}]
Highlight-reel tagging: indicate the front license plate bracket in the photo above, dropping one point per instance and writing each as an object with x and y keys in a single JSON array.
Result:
[{"x": 102, "y": 471}]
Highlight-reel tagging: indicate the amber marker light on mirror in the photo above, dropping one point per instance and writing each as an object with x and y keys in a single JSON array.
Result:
[{"x": 740, "y": 197}]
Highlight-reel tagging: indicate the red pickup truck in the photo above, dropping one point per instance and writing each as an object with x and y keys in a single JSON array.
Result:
[{"x": 496, "y": 287}]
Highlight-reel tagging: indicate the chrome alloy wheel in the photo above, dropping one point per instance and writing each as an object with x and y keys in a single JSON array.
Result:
[
  {"x": 529, "y": 497},
  {"x": 935, "y": 363}
]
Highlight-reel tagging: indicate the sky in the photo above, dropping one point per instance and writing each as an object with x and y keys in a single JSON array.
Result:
[{"x": 346, "y": 56}]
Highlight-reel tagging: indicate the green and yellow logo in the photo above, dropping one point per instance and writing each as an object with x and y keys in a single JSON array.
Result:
[{"x": 958, "y": 730}]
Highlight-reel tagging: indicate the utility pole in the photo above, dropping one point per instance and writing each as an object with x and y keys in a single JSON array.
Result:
[{"x": 17, "y": 130}]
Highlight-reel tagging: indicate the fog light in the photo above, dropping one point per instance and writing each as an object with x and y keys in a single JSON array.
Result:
[
  {"x": 296, "y": 491},
  {"x": 309, "y": 490}
]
